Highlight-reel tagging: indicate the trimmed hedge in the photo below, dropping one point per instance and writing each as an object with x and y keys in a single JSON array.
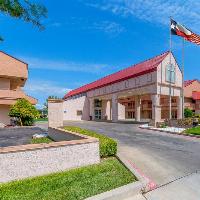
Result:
[{"x": 108, "y": 146}]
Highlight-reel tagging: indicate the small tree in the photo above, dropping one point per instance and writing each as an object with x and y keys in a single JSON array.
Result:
[
  {"x": 24, "y": 111},
  {"x": 188, "y": 113}
]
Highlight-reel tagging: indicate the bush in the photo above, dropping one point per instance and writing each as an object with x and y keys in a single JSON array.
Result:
[
  {"x": 187, "y": 122},
  {"x": 24, "y": 111},
  {"x": 108, "y": 146},
  {"x": 188, "y": 113}
]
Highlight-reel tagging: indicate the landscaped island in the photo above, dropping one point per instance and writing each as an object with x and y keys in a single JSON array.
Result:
[
  {"x": 71, "y": 185},
  {"x": 74, "y": 184}
]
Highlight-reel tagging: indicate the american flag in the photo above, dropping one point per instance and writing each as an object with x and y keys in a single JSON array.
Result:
[{"x": 180, "y": 30}]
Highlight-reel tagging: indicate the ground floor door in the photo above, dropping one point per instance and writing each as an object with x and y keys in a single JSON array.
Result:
[
  {"x": 97, "y": 114},
  {"x": 130, "y": 115}
]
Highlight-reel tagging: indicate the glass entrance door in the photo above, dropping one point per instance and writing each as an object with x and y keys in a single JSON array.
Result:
[{"x": 97, "y": 113}]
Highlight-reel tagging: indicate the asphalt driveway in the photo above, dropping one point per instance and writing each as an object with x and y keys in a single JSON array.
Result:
[
  {"x": 161, "y": 156},
  {"x": 17, "y": 136}
]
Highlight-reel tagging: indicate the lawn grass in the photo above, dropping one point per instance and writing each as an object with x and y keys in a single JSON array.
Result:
[
  {"x": 75, "y": 184},
  {"x": 41, "y": 120},
  {"x": 41, "y": 140},
  {"x": 193, "y": 131}
]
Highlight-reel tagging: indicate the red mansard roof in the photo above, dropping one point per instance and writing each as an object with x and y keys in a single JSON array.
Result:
[
  {"x": 196, "y": 95},
  {"x": 130, "y": 72},
  {"x": 188, "y": 82}
]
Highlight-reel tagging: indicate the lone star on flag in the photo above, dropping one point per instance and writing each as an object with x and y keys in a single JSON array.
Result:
[{"x": 180, "y": 30}]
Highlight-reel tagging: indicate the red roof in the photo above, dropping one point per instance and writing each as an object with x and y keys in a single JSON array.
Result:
[
  {"x": 188, "y": 82},
  {"x": 196, "y": 95},
  {"x": 127, "y": 73}
]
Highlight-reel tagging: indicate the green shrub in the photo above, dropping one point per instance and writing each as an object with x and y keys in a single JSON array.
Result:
[
  {"x": 185, "y": 122},
  {"x": 24, "y": 111},
  {"x": 108, "y": 146},
  {"x": 161, "y": 125},
  {"x": 188, "y": 113}
]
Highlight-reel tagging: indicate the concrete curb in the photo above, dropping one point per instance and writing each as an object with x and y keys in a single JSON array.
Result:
[
  {"x": 173, "y": 133},
  {"x": 120, "y": 193},
  {"x": 125, "y": 191}
]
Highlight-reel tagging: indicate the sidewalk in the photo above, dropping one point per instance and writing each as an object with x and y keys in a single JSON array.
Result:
[
  {"x": 186, "y": 188},
  {"x": 137, "y": 197}
]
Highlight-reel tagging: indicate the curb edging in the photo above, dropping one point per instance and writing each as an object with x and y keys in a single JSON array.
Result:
[{"x": 173, "y": 133}]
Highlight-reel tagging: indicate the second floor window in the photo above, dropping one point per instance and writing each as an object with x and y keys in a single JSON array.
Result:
[{"x": 170, "y": 73}]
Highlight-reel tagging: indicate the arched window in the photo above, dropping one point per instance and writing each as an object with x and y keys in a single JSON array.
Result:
[{"x": 170, "y": 73}]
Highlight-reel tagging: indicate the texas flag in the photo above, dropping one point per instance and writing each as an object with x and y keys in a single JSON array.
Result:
[{"x": 180, "y": 30}]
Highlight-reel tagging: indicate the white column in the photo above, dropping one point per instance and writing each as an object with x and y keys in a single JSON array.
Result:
[
  {"x": 156, "y": 108},
  {"x": 137, "y": 108},
  {"x": 180, "y": 108},
  {"x": 121, "y": 111},
  {"x": 92, "y": 107},
  {"x": 108, "y": 108},
  {"x": 114, "y": 108}
]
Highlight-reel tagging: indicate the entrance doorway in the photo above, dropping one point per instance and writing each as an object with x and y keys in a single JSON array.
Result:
[{"x": 97, "y": 114}]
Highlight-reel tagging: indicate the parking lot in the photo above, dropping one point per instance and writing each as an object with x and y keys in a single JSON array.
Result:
[{"x": 17, "y": 136}]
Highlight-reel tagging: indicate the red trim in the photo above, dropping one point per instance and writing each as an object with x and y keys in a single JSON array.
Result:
[{"x": 142, "y": 68}]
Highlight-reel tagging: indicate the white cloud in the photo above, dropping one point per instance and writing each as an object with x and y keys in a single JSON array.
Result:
[
  {"x": 62, "y": 65},
  {"x": 87, "y": 24},
  {"x": 107, "y": 27},
  {"x": 42, "y": 88},
  {"x": 156, "y": 11}
]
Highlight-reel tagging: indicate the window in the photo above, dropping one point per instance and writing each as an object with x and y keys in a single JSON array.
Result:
[
  {"x": 79, "y": 112},
  {"x": 126, "y": 84},
  {"x": 137, "y": 81},
  {"x": 170, "y": 73},
  {"x": 97, "y": 103},
  {"x": 149, "y": 77}
]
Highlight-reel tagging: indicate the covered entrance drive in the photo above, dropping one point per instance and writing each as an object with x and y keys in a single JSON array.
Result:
[{"x": 130, "y": 107}]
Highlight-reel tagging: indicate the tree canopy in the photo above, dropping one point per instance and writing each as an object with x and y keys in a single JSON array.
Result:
[{"x": 25, "y": 10}]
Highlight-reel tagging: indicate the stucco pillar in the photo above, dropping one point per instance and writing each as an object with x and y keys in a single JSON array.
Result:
[
  {"x": 156, "y": 108},
  {"x": 91, "y": 102},
  {"x": 180, "y": 108},
  {"x": 114, "y": 108},
  {"x": 108, "y": 110},
  {"x": 137, "y": 108},
  {"x": 55, "y": 113},
  {"x": 121, "y": 111}
]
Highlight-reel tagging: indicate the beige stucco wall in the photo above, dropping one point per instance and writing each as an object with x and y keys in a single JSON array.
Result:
[
  {"x": 141, "y": 84},
  {"x": 4, "y": 84},
  {"x": 36, "y": 162},
  {"x": 55, "y": 113},
  {"x": 70, "y": 108},
  {"x": 4, "y": 118},
  {"x": 12, "y": 67},
  {"x": 163, "y": 85}
]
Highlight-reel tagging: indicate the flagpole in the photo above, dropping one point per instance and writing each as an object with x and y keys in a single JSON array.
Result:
[
  {"x": 170, "y": 86},
  {"x": 183, "y": 63}
]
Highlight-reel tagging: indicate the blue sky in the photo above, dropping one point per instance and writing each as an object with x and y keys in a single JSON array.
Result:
[{"x": 86, "y": 39}]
